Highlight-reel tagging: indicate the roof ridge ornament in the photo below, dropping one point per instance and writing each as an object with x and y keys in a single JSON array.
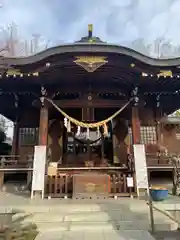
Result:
[
  {"x": 90, "y": 38},
  {"x": 90, "y": 30},
  {"x": 91, "y": 63}
]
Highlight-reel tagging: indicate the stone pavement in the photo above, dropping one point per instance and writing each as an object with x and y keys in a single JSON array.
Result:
[{"x": 84, "y": 219}]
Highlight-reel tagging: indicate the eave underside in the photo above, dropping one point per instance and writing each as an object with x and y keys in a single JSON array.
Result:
[{"x": 70, "y": 91}]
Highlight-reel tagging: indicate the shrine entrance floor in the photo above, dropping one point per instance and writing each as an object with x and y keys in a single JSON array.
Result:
[{"x": 123, "y": 218}]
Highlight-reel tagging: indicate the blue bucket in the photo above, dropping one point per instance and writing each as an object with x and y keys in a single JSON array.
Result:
[{"x": 158, "y": 194}]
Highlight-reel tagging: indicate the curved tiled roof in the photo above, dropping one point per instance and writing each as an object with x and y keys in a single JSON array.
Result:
[{"x": 89, "y": 48}]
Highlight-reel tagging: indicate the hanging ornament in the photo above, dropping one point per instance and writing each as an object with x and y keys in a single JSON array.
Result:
[
  {"x": 65, "y": 122},
  {"x": 98, "y": 132},
  {"x": 78, "y": 131},
  {"x": 69, "y": 126},
  {"x": 105, "y": 130},
  {"x": 113, "y": 124},
  {"x": 87, "y": 134}
]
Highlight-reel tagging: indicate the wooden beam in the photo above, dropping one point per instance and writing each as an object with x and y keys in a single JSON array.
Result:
[
  {"x": 95, "y": 89},
  {"x": 78, "y": 103}
]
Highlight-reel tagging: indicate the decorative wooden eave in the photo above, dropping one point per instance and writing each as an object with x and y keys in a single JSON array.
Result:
[{"x": 99, "y": 47}]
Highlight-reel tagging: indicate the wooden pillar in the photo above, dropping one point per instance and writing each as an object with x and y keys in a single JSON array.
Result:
[
  {"x": 158, "y": 126},
  {"x": 15, "y": 143},
  {"x": 43, "y": 126},
  {"x": 136, "y": 134},
  {"x": 115, "y": 143}
]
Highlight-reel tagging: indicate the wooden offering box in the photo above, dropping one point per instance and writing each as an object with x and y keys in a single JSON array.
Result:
[{"x": 91, "y": 185}]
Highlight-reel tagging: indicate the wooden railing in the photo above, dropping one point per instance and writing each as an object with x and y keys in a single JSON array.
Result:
[
  {"x": 14, "y": 161},
  {"x": 155, "y": 159},
  {"x": 160, "y": 160},
  {"x": 62, "y": 184}
]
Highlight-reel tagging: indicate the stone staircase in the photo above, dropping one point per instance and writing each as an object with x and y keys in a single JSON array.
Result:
[{"x": 93, "y": 217}]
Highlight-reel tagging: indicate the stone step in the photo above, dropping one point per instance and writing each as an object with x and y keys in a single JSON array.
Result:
[
  {"x": 119, "y": 219},
  {"x": 91, "y": 216},
  {"x": 100, "y": 235},
  {"x": 64, "y": 208},
  {"x": 78, "y": 217},
  {"x": 96, "y": 220},
  {"x": 97, "y": 226}
]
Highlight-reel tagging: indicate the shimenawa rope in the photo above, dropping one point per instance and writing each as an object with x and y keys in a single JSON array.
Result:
[{"x": 88, "y": 125}]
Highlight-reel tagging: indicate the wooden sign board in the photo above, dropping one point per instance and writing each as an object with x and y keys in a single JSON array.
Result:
[
  {"x": 140, "y": 167},
  {"x": 130, "y": 182},
  {"x": 39, "y": 166},
  {"x": 52, "y": 169}
]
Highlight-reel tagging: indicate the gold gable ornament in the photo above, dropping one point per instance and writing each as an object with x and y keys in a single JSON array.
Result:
[
  {"x": 165, "y": 73},
  {"x": 90, "y": 63}
]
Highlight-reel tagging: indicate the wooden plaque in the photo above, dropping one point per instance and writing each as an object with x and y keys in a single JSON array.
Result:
[{"x": 52, "y": 169}]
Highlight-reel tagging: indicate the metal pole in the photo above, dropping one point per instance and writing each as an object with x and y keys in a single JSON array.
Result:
[
  {"x": 151, "y": 213},
  {"x": 102, "y": 146}
]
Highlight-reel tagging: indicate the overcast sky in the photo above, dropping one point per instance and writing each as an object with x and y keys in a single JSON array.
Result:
[{"x": 117, "y": 21}]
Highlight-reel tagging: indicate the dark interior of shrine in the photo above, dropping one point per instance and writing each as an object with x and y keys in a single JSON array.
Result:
[{"x": 75, "y": 147}]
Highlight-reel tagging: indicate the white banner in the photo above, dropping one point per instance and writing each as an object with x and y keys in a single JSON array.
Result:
[
  {"x": 39, "y": 166},
  {"x": 140, "y": 166}
]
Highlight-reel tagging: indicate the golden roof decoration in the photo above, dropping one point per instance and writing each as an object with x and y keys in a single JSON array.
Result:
[
  {"x": 132, "y": 65},
  {"x": 16, "y": 72},
  {"x": 35, "y": 74},
  {"x": 165, "y": 73},
  {"x": 90, "y": 63},
  {"x": 144, "y": 74},
  {"x": 13, "y": 71}
]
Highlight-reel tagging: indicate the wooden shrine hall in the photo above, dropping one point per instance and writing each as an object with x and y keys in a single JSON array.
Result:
[{"x": 89, "y": 102}]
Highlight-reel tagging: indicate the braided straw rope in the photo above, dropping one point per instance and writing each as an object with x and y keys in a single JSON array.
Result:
[{"x": 88, "y": 125}]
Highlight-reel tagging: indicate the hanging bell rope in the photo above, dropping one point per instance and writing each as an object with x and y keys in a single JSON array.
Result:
[{"x": 88, "y": 125}]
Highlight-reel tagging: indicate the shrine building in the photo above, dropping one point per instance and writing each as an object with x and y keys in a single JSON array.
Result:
[{"x": 88, "y": 102}]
